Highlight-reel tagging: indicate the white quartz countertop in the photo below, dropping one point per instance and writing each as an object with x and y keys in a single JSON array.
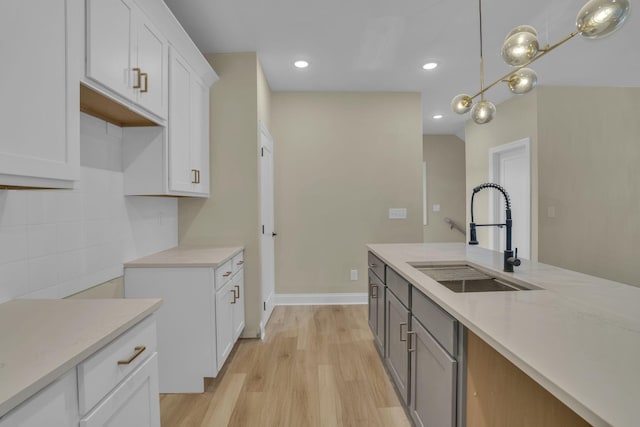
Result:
[
  {"x": 43, "y": 339},
  {"x": 578, "y": 336},
  {"x": 187, "y": 256}
]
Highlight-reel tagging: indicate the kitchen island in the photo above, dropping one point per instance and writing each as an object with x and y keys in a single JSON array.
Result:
[{"x": 578, "y": 336}]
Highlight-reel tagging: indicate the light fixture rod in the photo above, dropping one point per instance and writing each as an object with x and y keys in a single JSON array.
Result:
[
  {"x": 542, "y": 53},
  {"x": 482, "y": 90}
]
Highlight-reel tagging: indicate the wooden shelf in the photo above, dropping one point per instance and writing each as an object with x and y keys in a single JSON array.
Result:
[{"x": 95, "y": 104}]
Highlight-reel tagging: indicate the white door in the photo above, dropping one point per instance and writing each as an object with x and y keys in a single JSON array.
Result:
[
  {"x": 267, "y": 238},
  {"x": 510, "y": 166}
]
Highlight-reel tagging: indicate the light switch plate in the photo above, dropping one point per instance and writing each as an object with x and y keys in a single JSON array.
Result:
[
  {"x": 397, "y": 213},
  {"x": 436, "y": 208},
  {"x": 354, "y": 274}
]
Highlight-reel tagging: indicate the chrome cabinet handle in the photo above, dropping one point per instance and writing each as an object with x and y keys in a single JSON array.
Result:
[
  {"x": 138, "y": 352},
  {"x": 373, "y": 265},
  {"x": 401, "y": 325},
  {"x": 409, "y": 334}
]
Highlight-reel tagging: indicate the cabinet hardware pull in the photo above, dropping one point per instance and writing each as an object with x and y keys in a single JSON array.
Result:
[
  {"x": 240, "y": 263},
  {"x": 374, "y": 286},
  {"x": 234, "y": 296},
  {"x": 138, "y": 85},
  {"x": 373, "y": 265},
  {"x": 238, "y": 289},
  {"x": 146, "y": 82},
  {"x": 138, "y": 352},
  {"x": 195, "y": 176},
  {"x": 401, "y": 325},
  {"x": 227, "y": 274},
  {"x": 409, "y": 334}
]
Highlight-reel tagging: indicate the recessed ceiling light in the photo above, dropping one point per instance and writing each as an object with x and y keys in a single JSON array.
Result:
[
  {"x": 301, "y": 64},
  {"x": 438, "y": 116},
  {"x": 430, "y": 65}
]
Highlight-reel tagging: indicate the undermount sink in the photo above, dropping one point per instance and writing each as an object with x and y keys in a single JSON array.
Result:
[{"x": 465, "y": 278}]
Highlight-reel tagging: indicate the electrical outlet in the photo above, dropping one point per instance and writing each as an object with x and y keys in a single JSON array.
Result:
[
  {"x": 354, "y": 274},
  {"x": 397, "y": 213}
]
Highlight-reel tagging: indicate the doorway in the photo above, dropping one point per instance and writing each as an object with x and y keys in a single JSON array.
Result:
[
  {"x": 268, "y": 234},
  {"x": 510, "y": 167}
]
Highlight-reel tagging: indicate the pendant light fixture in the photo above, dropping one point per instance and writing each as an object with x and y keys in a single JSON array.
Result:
[{"x": 596, "y": 19}]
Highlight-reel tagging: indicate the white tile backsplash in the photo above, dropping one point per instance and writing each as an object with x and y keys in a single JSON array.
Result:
[{"x": 54, "y": 243}]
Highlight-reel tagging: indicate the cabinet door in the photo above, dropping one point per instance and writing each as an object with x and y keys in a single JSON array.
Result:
[
  {"x": 376, "y": 311},
  {"x": 181, "y": 176},
  {"x": 41, "y": 50},
  {"x": 109, "y": 43},
  {"x": 396, "y": 354},
  {"x": 134, "y": 403},
  {"x": 199, "y": 146},
  {"x": 225, "y": 298},
  {"x": 373, "y": 306},
  {"x": 433, "y": 381},
  {"x": 380, "y": 333},
  {"x": 151, "y": 58},
  {"x": 55, "y": 405},
  {"x": 238, "y": 307}
]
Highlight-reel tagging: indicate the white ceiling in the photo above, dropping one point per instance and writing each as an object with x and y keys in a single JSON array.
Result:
[{"x": 380, "y": 45}]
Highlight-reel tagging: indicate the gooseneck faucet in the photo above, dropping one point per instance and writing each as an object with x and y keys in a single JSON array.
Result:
[{"x": 510, "y": 259}]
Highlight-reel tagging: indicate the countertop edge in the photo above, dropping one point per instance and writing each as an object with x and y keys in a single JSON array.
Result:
[
  {"x": 141, "y": 263},
  {"x": 32, "y": 389}
]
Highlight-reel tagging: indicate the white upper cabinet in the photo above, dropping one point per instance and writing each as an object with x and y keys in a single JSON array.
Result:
[
  {"x": 188, "y": 129},
  {"x": 126, "y": 54},
  {"x": 41, "y": 47}
]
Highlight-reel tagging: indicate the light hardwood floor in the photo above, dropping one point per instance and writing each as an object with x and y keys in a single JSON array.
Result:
[{"x": 317, "y": 367}]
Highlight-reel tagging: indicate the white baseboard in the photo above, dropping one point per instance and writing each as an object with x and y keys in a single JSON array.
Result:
[{"x": 321, "y": 299}]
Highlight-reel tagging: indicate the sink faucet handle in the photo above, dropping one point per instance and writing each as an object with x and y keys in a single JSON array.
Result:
[{"x": 516, "y": 260}]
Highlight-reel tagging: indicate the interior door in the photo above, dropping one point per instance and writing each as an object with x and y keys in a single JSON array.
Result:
[
  {"x": 268, "y": 234},
  {"x": 510, "y": 167}
]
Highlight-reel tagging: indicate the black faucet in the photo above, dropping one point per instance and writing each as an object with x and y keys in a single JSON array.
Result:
[{"x": 510, "y": 259}]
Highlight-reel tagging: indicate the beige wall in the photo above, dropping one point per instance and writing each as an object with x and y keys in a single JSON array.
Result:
[
  {"x": 515, "y": 119},
  {"x": 341, "y": 161},
  {"x": 590, "y": 175},
  {"x": 264, "y": 97},
  {"x": 444, "y": 156},
  {"x": 230, "y": 217}
]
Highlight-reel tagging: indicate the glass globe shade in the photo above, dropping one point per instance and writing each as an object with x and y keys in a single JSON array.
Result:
[
  {"x": 483, "y": 112},
  {"x": 519, "y": 48},
  {"x": 461, "y": 103},
  {"x": 599, "y": 18},
  {"x": 522, "y": 81}
]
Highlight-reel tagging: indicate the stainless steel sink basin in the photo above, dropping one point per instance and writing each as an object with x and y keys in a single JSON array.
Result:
[{"x": 465, "y": 278}]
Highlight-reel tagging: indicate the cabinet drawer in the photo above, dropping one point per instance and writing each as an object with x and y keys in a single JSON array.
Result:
[
  {"x": 376, "y": 265},
  {"x": 237, "y": 261},
  {"x": 223, "y": 273},
  {"x": 398, "y": 286},
  {"x": 439, "y": 323},
  {"x": 100, "y": 373}
]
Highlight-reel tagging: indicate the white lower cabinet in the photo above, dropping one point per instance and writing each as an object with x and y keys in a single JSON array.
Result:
[
  {"x": 116, "y": 386},
  {"x": 134, "y": 403},
  {"x": 201, "y": 317},
  {"x": 55, "y": 405}
]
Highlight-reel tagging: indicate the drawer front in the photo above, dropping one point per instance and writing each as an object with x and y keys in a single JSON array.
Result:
[
  {"x": 376, "y": 265},
  {"x": 439, "y": 323},
  {"x": 398, "y": 286},
  {"x": 237, "y": 262},
  {"x": 135, "y": 402},
  {"x": 224, "y": 273},
  {"x": 102, "y": 371}
]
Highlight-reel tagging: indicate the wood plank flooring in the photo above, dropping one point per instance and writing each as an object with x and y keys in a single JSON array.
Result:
[{"x": 317, "y": 367}]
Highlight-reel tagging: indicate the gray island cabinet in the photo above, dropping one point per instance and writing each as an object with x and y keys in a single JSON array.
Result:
[{"x": 486, "y": 359}]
